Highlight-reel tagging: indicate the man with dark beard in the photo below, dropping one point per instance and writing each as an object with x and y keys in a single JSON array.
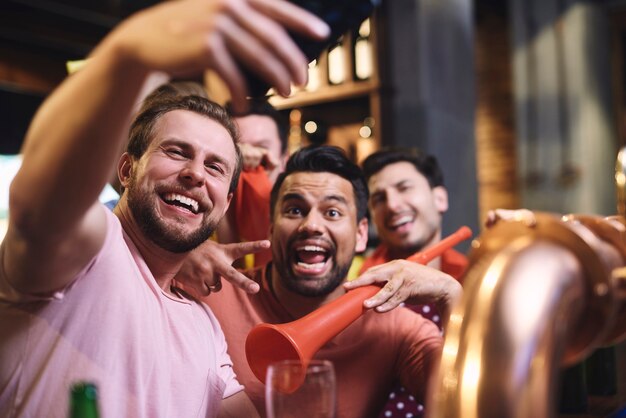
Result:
[
  {"x": 86, "y": 294},
  {"x": 318, "y": 207}
]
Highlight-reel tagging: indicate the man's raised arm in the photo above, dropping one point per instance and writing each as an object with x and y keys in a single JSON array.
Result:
[{"x": 55, "y": 227}]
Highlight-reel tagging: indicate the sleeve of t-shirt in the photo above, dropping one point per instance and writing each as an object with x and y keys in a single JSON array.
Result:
[
  {"x": 8, "y": 294},
  {"x": 419, "y": 354},
  {"x": 224, "y": 363}
]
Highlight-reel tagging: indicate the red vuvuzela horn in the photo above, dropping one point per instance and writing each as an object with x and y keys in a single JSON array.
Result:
[{"x": 301, "y": 339}]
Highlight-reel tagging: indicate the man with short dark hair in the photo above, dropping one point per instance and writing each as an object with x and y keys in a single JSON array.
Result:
[
  {"x": 407, "y": 201},
  {"x": 318, "y": 208}
]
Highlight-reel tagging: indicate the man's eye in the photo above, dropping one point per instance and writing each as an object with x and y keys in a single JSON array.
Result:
[
  {"x": 175, "y": 152},
  {"x": 215, "y": 167},
  {"x": 293, "y": 211},
  {"x": 333, "y": 213}
]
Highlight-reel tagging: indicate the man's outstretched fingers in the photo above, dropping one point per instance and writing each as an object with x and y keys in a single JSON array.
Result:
[
  {"x": 241, "y": 249},
  {"x": 240, "y": 280}
]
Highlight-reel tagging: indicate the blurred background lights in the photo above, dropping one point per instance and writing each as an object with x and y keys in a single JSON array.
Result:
[{"x": 310, "y": 127}]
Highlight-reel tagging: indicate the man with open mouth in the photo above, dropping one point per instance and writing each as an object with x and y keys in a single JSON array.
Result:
[{"x": 318, "y": 208}]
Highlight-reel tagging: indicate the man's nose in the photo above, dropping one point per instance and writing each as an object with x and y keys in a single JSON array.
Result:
[
  {"x": 193, "y": 172},
  {"x": 311, "y": 224},
  {"x": 393, "y": 200}
]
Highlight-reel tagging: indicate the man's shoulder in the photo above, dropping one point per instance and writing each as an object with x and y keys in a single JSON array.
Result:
[
  {"x": 379, "y": 256},
  {"x": 400, "y": 329}
]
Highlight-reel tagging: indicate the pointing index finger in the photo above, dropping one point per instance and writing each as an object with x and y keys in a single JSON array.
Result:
[{"x": 241, "y": 249}]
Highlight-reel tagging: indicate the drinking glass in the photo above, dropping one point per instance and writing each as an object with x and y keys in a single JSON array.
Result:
[{"x": 294, "y": 392}]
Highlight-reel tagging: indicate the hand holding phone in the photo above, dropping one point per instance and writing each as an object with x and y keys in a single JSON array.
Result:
[{"x": 340, "y": 15}]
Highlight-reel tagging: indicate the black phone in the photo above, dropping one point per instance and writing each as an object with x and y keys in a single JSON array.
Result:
[{"x": 340, "y": 15}]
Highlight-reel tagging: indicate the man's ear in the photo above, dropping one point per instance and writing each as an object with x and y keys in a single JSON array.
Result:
[
  {"x": 229, "y": 199},
  {"x": 361, "y": 236},
  {"x": 125, "y": 169},
  {"x": 270, "y": 227},
  {"x": 440, "y": 197}
]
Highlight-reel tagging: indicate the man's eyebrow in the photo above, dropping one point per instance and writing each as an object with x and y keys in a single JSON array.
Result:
[
  {"x": 263, "y": 143},
  {"x": 292, "y": 196},
  {"x": 336, "y": 198},
  {"x": 175, "y": 141},
  {"x": 329, "y": 198},
  {"x": 381, "y": 190}
]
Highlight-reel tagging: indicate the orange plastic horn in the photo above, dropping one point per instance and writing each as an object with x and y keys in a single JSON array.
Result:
[{"x": 300, "y": 339}]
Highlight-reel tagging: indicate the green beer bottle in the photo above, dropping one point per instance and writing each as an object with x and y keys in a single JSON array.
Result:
[{"x": 84, "y": 400}]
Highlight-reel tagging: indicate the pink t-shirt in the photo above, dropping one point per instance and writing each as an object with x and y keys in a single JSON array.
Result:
[{"x": 149, "y": 353}]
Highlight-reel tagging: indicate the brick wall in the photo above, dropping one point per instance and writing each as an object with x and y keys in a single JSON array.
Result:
[{"x": 495, "y": 130}]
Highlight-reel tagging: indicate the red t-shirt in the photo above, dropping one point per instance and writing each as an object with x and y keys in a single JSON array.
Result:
[
  {"x": 252, "y": 209},
  {"x": 369, "y": 356}
]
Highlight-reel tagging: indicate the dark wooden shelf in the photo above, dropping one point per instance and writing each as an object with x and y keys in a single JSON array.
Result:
[{"x": 326, "y": 94}]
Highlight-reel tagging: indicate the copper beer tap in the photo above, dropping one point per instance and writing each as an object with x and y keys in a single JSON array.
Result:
[{"x": 542, "y": 292}]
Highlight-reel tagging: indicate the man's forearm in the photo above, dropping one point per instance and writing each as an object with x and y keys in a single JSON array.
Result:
[{"x": 74, "y": 142}]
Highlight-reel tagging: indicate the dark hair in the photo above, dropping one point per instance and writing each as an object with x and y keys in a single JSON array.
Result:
[
  {"x": 322, "y": 159},
  {"x": 426, "y": 164},
  {"x": 261, "y": 107},
  {"x": 142, "y": 128}
]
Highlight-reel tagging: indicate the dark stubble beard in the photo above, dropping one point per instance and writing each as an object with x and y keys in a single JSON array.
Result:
[
  {"x": 170, "y": 239},
  {"x": 323, "y": 285},
  {"x": 419, "y": 245}
]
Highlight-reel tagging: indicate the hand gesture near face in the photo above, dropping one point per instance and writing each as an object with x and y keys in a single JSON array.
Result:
[
  {"x": 207, "y": 265},
  {"x": 254, "y": 156}
]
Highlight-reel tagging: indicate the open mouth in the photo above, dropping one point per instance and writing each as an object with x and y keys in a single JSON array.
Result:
[
  {"x": 181, "y": 201},
  {"x": 311, "y": 258}
]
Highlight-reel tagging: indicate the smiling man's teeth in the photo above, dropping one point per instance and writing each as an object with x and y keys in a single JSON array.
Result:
[
  {"x": 311, "y": 257},
  {"x": 311, "y": 248},
  {"x": 187, "y": 201},
  {"x": 402, "y": 220}
]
